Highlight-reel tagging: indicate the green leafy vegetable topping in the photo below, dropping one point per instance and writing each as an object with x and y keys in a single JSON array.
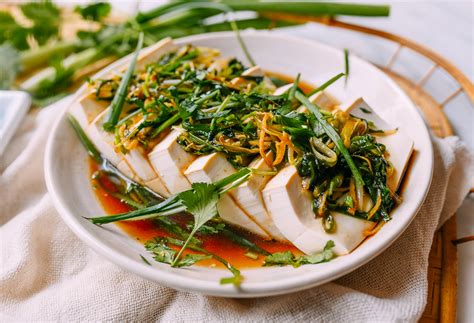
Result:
[
  {"x": 95, "y": 11},
  {"x": 287, "y": 257}
]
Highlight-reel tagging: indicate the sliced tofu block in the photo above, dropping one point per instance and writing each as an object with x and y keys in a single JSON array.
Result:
[
  {"x": 253, "y": 71},
  {"x": 399, "y": 145},
  {"x": 348, "y": 235},
  {"x": 123, "y": 167},
  {"x": 282, "y": 89},
  {"x": 249, "y": 197},
  {"x": 211, "y": 168},
  {"x": 290, "y": 207},
  {"x": 157, "y": 186},
  {"x": 138, "y": 162},
  {"x": 170, "y": 160},
  {"x": 154, "y": 52},
  {"x": 103, "y": 140},
  {"x": 87, "y": 108},
  {"x": 322, "y": 100}
]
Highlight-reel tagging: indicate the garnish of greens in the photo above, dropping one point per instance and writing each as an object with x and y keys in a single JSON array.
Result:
[
  {"x": 287, "y": 258},
  {"x": 57, "y": 63},
  {"x": 119, "y": 98}
]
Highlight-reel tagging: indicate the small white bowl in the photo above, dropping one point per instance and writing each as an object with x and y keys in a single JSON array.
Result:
[{"x": 67, "y": 173}]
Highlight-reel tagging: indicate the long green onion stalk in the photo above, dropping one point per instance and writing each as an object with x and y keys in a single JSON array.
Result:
[{"x": 174, "y": 19}]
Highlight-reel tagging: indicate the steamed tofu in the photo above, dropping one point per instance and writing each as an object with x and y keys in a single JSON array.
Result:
[
  {"x": 154, "y": 52},
  {"x": 320, "y": 99},
  {"x": 399, "y": 145},
  {"x": 103, "y": 140},
  {"x": 290, "y": 207},
  {"x": 252, "y": 71},
  {"x": 170, "y": 160},
  {"x": 87, "y": 108},
  {"x": 283, "y": 89},
  {"x": 211, "y": 168},
  {"x": 249, "y": 197}
]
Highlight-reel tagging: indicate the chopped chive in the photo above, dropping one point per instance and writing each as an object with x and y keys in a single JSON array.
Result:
[
  {"x": 145, "y": 260},
  {"x": 346, "y": 64},
  {"x": 165, "y": 125},
  {"x": 293, "y": 89},
  {"x": 326, "y": 84},
  {"x": 91, "y": 150},
  {"x": 119, "y": 98}
]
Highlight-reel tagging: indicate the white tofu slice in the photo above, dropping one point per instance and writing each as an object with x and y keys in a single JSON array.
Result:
[
  {"x": 139, "y": 164},
  {"x": 154, "y": 52},
  {"x": 290, "y": 207},
  {"x": 87, "y": 108},
  {"x": 170, "y": 160},
  {"x": 123, "y": 167},
  {"x": 249, "y": 197},
  {"x": 103, "y": 140},
  {"x": 157, "y": 186},
  {"x": 252, "y": 71},
  {"x": 282, "y": 89},
  {"x": 211, "y": 168},
  {"x": 349, "y": 234},
  {"x": 322, "y": 100},
  {"x": 399, "y": 145}
]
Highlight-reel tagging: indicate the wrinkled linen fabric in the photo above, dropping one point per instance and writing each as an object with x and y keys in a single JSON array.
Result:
[{"x": 47, "y": 273}]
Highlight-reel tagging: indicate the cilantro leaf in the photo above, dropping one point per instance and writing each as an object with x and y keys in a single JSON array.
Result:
[
  {"x": 191, "y": 259},
  {"x": 12, "y": 32},
  {"x": 45, "y": 17},
  {"x": 201, "y": 202},
  {"x": 95, "y": 12},
  {"x": 160, "y": 250}
]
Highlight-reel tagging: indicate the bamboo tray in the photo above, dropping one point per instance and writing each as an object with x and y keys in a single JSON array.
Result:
[{"x": 442, "y": 271}]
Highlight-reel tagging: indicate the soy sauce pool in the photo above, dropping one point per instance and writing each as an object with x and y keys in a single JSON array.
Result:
[{"x": 218, "y": 244}]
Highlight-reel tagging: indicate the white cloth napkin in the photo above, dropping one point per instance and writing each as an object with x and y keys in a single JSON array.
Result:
[{"x": 46, "y": 273}]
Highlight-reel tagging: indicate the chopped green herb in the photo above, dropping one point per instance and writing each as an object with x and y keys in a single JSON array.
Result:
[
  {"x": 346, "y": 64},
  {"x": 287, "y": 257},
  {"x": 145, "y": 260}
]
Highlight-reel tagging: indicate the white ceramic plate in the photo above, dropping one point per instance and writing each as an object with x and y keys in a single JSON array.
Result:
[{"x": 67, "y": 174}]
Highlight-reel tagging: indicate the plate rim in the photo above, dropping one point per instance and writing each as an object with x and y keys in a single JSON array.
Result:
[{"x": 184, "y": 283}]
